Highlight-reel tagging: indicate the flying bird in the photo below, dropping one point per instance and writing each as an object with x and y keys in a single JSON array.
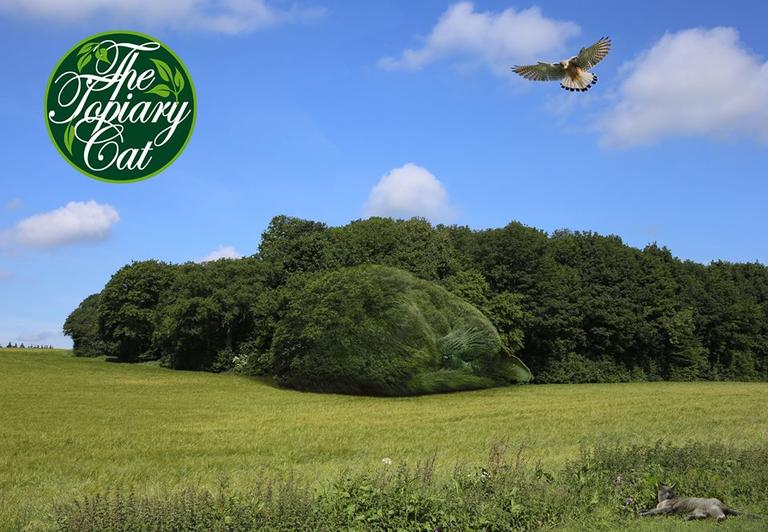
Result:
[{"x": 573, "y": 73}]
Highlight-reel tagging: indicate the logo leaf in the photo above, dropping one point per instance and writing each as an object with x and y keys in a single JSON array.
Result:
[
  {"x": 161, "y": 89},
  {"x": 163, "y": 69},
  {"x": 178, "y": 81},
  {"x": 87, "y": 47},
  {"x": 84, "y": 60},
  {"x": 69, "y": 137},
  {"x": 101, "y": 55}
]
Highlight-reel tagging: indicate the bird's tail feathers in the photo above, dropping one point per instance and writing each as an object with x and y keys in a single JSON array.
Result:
[{"x": 582, "y": 83}]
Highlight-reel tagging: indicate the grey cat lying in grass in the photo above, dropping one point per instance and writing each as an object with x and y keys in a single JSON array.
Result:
[{"x": 693, "y": 507}]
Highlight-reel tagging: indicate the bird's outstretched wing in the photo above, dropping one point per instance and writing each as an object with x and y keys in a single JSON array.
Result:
[
  {"x": 592, "y": 55},
  {"x": 541, "y": 71}
]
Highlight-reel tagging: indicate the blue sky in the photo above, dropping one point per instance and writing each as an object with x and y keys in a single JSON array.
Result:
[{"x": 300, "y": 113}]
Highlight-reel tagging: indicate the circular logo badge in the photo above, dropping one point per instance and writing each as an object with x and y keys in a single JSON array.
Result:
[{"x": 120, "y": 106}]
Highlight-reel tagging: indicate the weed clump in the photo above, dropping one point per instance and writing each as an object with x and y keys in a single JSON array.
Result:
[{"x": 602, "y": 489}]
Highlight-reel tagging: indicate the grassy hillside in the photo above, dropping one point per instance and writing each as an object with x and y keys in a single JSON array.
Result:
[{"x": 71, "y": 426}]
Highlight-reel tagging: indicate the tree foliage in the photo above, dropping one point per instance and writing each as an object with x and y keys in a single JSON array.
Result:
[
  {"x": 209, "y": 310},
  {"x": 127, "y": 312},
  {"x": 83, "y": 327},
  {"x": 574, "y": 306}
]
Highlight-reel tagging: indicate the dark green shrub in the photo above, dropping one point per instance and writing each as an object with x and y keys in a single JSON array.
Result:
[
  {"x": 382, "y": 331},
  {"x": 224, "y": 361},
  {"x": 250, "y": 360},
  {"x": 577, "y": 369}
]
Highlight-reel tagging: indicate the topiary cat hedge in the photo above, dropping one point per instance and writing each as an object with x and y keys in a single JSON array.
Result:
[{"x": 375, "y": 330}]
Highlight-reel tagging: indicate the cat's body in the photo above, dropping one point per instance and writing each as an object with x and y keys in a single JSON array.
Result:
[{"x": 693, "y": 507}]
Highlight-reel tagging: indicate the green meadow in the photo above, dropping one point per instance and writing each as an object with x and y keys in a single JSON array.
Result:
[{"x": 73, "y": 426}]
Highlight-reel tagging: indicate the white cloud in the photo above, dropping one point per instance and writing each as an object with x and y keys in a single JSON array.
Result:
[
  {"x": 15, "y": 203},
  {"x": 222, "y": 252},
  {"x": 227, "y": 16},
  {"x": 75, "y": 222},
  {"x": 498, "y": 40},
  {"x": 696, "y": 82},
  {"x": 410, "y": 191}
]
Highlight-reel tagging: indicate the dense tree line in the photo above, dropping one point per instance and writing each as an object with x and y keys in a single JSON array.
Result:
[
  {"x": 574, "y": 306},
  {"x": 22, "y": 346}
]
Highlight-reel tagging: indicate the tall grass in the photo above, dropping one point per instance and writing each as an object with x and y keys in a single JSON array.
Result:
[{"x": 605, "y": 488}]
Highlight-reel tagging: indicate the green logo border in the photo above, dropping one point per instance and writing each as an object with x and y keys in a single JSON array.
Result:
[{"x": 77, "y": 46}]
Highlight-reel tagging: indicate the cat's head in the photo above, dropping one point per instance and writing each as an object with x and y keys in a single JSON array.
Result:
[{"x": 666, "y": 492}]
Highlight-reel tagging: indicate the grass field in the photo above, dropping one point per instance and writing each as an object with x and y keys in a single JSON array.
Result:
[{"x": 70, "y": 426}]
